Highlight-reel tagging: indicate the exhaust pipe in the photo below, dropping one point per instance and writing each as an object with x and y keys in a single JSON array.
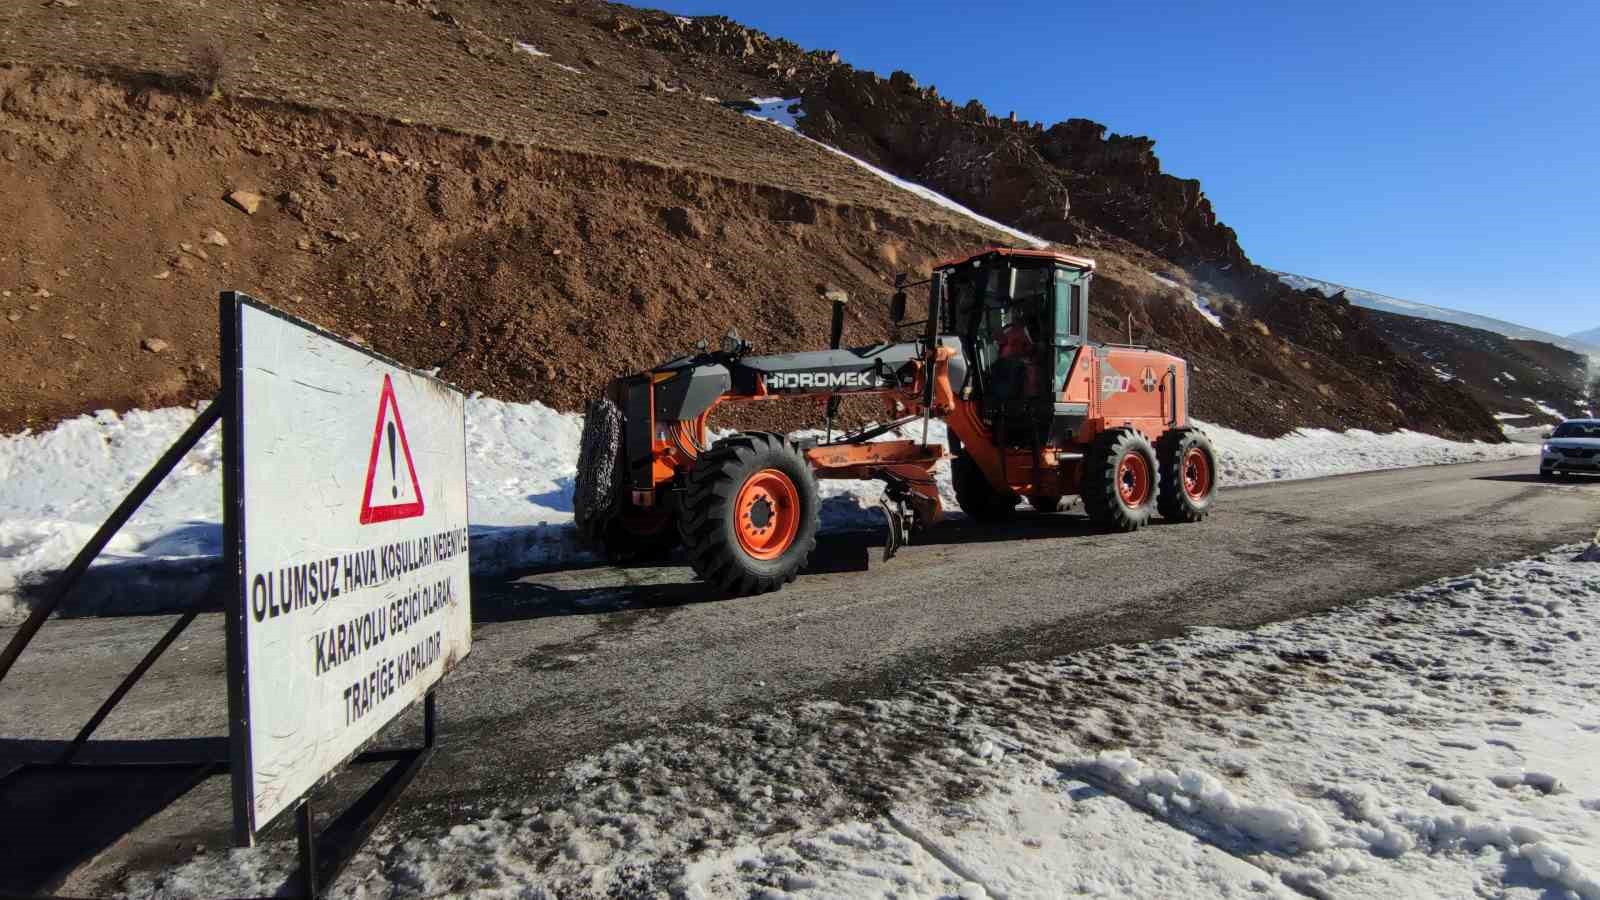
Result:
[{"x": 835, "y": 336}]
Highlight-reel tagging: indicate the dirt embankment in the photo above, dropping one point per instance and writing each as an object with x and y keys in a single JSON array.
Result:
[{"x": 520, "y": 272}]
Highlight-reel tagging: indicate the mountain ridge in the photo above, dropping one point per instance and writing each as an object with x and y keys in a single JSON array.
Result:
[{"x": 1368, "y": 299}]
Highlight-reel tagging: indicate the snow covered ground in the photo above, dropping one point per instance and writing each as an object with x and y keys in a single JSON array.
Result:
[
  {"x": 56, "y": 487},
  {"x": 1314, "y": 452},
  {"x": 1438, "y": 742}
]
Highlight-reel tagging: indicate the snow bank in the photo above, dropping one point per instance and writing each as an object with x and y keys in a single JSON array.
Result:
[
  {"x": 56, "y": 488},
  {"x": 1436, "y": 742},
  {"x": 788, "y": 113},
  {"x": 1314, "y": 452}
]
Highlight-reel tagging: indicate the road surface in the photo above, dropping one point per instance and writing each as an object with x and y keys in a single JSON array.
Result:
[{"x": 567, "y": 662}]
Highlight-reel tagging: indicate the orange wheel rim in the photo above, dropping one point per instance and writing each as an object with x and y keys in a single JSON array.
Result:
[
  {"x": 768, "y": 511},
  {"x": 1133, "y": 479},
  {"x": 1196, "y": 473}
]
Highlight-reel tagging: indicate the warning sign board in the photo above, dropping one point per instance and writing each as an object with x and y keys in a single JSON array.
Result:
[
  {"x": 403, "y": 499},
  {"x": 347, "y": 531}
]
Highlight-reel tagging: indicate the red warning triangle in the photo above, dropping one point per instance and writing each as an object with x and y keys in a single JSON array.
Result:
[{"x": 397, "y": 497}]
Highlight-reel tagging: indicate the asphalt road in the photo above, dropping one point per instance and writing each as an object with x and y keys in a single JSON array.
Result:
[{"x": 567, "y": 662}]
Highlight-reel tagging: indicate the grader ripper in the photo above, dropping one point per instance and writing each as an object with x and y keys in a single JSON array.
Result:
[{"x": 1033, "y": 409}]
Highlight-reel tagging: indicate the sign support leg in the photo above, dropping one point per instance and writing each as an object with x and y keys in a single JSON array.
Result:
[
  {"x": 126, "y": 685},
  {"x": 430, "y": 719},
  {"x": 108, "y": 529},
  {"x": 308, "y": 849}
]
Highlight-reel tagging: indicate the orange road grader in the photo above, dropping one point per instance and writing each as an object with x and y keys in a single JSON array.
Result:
[{"x": 1032, "y": 408}]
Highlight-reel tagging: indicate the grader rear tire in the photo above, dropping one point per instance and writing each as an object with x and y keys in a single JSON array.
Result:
[
  {"x": 596, "y": 488},
  {"x": 601, "y": 505},
  {"x": 976, "y": 496},
  {"x": 1188, "y": 475},
  {"x": 1119, "y": 480},
  {"x": 749, "y": 513}
]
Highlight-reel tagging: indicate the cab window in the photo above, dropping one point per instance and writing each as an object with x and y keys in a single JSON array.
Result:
[{"x": 1069, "y": 305}]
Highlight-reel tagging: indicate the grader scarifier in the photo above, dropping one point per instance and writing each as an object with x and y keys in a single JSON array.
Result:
[{"x": 1033, "y": 409}]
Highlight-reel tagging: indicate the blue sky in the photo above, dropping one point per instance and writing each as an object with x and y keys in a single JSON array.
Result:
[{"x": 1449, "y": 155}]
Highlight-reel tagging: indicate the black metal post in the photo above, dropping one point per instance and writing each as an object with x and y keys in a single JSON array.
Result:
[
  {"x": 127, "y": 685},
  {"x": 835, "y": 338},
  {"x": 931, "y": 352},
  {"x": 108, "y": 529},
  {"x": 308, "y": 848},
  {"x": 430, "y": 718}
]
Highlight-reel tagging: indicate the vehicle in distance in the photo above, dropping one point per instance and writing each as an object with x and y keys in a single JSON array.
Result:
[{"x": 1573, "y": 447}]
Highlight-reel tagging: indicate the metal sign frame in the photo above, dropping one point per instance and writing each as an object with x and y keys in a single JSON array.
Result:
[{"x": 321, "y": 857}]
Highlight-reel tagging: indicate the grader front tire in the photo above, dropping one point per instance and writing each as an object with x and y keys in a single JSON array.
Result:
[{"x": 749, "y": 514}]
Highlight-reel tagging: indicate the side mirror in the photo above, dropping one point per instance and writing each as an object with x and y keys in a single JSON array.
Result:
[{"x": 897, "y": 307}]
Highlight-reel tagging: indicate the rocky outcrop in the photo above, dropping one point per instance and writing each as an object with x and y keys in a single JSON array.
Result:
[
  {"x": 782, "y": 60},
  {"x": 1071, "y": 182},
  {"x": 959, "y": 151},
  {"x": 1063, "y": 182}
]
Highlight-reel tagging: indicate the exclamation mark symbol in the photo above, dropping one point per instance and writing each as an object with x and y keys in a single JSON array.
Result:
[{"x": 394, "y": 471}]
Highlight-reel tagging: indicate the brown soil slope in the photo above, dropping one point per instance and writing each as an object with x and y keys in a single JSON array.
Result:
[
  {"x": 521, "y": 273},
  {"x": 526, "y": 228}
]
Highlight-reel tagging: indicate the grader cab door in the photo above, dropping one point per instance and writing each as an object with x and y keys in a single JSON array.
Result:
[{"x": 1023, "y": 323}]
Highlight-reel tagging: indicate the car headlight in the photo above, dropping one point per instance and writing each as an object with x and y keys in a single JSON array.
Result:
[{"x": 1547, "y": 448}]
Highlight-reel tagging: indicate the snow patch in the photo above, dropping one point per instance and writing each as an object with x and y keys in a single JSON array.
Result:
[
  {"x": 1201, "y": 305},
  {"x": 1277, "y": 827},
  {"x": 778, "y": 110},
  {"x": 1546, "y": 408}
]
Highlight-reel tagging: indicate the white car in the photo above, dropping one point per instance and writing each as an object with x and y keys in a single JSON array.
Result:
[{"x": 1573, "y": 447}]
